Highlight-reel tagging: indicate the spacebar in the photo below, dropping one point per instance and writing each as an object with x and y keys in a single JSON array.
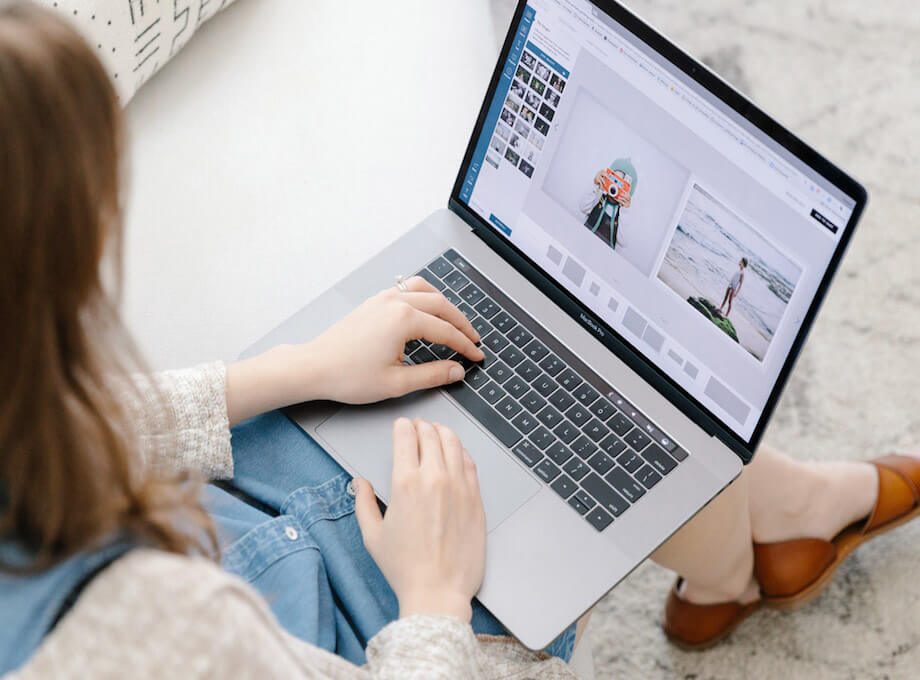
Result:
[{"x": 485, "y": 414}]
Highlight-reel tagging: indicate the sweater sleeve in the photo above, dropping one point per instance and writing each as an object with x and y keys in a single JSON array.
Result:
[{"x": 181, "y": 421}]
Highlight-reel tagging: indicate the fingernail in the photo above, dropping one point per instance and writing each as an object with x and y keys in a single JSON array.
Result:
[{"x": 456, "y": 373}]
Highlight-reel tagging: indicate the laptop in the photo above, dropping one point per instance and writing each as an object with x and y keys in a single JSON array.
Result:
[{"x": 643, "y": 252}]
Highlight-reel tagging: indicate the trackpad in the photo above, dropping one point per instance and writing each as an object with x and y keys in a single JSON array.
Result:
[{"x": 363, "y": 438}]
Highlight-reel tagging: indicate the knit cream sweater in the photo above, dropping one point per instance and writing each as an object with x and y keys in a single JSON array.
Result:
[{"x": 157, "y": 615}]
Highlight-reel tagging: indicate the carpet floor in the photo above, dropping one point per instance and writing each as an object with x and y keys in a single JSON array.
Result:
[{"x": 847, "y": 80}]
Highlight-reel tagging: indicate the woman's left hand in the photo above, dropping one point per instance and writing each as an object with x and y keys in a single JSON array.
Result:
[{"x": 360, "y": 359}]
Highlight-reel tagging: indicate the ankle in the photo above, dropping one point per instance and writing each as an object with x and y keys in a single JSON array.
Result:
[{"x": 696, "y": 594}]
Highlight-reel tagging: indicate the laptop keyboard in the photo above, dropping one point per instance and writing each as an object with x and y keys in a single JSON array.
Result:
[{"x": 576, "y": 433}]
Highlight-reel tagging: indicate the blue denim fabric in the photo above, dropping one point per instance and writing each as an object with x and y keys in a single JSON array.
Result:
[{"x": 309, "y": 561}]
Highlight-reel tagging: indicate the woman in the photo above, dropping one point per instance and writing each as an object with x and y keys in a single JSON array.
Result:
[{"x": 104, "y": 567}]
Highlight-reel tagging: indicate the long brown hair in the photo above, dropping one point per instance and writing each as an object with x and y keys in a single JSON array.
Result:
[{"x": 69, "y": 457}]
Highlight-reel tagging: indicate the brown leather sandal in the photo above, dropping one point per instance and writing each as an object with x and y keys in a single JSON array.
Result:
[
  {"x": 793, "y": 573},
  {"x": 695, "y": 627}
]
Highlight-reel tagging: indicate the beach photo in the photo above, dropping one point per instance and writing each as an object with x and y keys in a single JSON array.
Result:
[{"x": 729, "y": 273}]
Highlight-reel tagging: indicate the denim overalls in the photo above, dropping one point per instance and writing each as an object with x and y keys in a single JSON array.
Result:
[{"x": 294, "y": 538}]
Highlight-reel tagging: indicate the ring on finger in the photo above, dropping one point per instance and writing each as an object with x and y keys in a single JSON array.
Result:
[{"x": 401, "y": 284}]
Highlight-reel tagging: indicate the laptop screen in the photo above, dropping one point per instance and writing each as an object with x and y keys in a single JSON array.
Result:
[{"x": 690, "y": 232}]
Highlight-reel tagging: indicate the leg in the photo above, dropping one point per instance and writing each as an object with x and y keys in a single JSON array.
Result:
[
  {"x": 728, "y": 291},
  {"x": 731, "y": 298},
  {"x": 616, "y": 228}
]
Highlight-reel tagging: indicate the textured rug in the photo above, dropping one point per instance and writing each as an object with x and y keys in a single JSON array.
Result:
[{"x": 846, "y": 77}]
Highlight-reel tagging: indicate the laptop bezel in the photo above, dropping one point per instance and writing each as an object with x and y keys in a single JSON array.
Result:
[{"x": 621, "y": 347}]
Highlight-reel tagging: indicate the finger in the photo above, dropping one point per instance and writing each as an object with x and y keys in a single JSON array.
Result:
[
  {"x": 425, "y": 376},
  {"x": 429, "y": 444},
  {"x": 453, "y": 451},
  {"x": 367, "y": 512},
  {"x": 433, "y": 329},
  {"x": 417, "y": 284},
  {"x": 471, "y": 473},
  {"x": 405, "y": 448},
  {"x": 438, "y": 305}
]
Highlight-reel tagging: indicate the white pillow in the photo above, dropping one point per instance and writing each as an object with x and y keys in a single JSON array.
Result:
[{"x": 135, "y": 38}]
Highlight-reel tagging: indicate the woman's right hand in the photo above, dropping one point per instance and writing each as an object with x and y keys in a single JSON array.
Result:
[{"x": 431, "y": 544}]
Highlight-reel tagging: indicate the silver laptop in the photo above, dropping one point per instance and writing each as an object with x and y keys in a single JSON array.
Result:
[{"x": 643, "y": 252}]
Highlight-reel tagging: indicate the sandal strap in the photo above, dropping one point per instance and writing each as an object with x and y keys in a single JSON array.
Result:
[
  {"x": 785, "y": 568},
  {"x": 696, "y": 624},
  {"x": 898, "y": 492}
]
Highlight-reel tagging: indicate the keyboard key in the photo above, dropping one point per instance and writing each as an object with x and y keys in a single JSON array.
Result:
[
  {"x": 536, "y": 350},
  {"x": 423, "y": 355},
  {"x": 603, "y": 494},
  {"x": 566, "y": 431},
  {"x": 576, "y": 468},
  {"x": 484, "y": 413},
  {"x": 655, "y": 456},
  {"x": 456, "y": 280},
  {"x": 637, "y": 439},
  {"x": 558, "y": 453},
  {"x": 528, "y": 370},
  {"x": 586, "y": 394},
  {"x": 532, "y": 401},
  {"x": 487, "y": 308},
  {"x": 564, "y": 486},
  {"x": 411, "y": 346},
  {"x": 467, "y": 311},
  {"x": 499, "y": 372},
  {"x": 552, "y": 364},
  {"x": 471, "y": 294},
  {"x": 584, "y": 498},
  {"x": 595, "y": 429},
  {"x": 527, "y": 452},
  {"x": 441, "y": 267},
  {"x": 508, "y": 407},
  {"x": 630, "y": 489},
  {"x": 544, "y": 385},
  {"x": 630, "y": 460},
  {"x": 542, "y": 437},
  {"x": 620, "y": 424},
  {"x": 549, "y": 417},
  {"x": 647, "y": 476},
  {"x": 495, "y": 341},
  {"x": 561, "y": 399},
  {"x": 611, "y": 445},
  {"x": 679, "y": 454},
  {"x": 602, "y": 409},
  {"x": 491, "y": 392},
  {"x": 583, "y": 447},
  {"x": 580, "y": 508},
  {"x": 453, "y": 298},
  {"x": 598, "y": 519},
  {"x": 441, "y": 351},
  {"x": 578, "y": 415},
  {"x": 520, "y": 336},
  {"x": 476, "y": 378},
  {"x": 547, "y": 471},
  {"x": 482, "y": 326},
  {"x": 524, "y": 422},
  {"x": 601, "y": 462},
  {"x": 503, "y": 322},
  {"x": 432, "y": 278},
  {"x": 569, "y": 379},
  {"x": 512, "y": 355},
  {"x": 517, "y": 387}
]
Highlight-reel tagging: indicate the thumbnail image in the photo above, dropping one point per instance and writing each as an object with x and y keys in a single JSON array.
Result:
[
  {"x": 543, "y": 71},
  {"x": 537, "y": 85},
  {"x": 511, "y": 157},
  {"x": 518, "y": 89},
  {"x": 523, "y": 74},
  {"x": 526, "y": 168},
  {"x": 547, "y": 112},
  {"x": 552, "y": 97},
  {"x": 541, "y": 126},
  {"x": 528, "y": 60},
  {"x": 527, "y": 114},
  {"x": 529, "y": 154},
  {"x": 615, "y": 184},
  {"x": 492, "y": 159},
  {"x": 516, "y": 143},
  {"x": 498, "y": 145},
  {"x": 522, "y": 128},
  {"x": 513, "y": 104},
  {"x": 557, "y": 82},
  {"x": 536, "y": 139},
  {"x": 507, "y": 116},
  {"x": 729, "y": 272},
  {"x": 532, "y": 99},
  {"x": 503, "y": 131}
]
